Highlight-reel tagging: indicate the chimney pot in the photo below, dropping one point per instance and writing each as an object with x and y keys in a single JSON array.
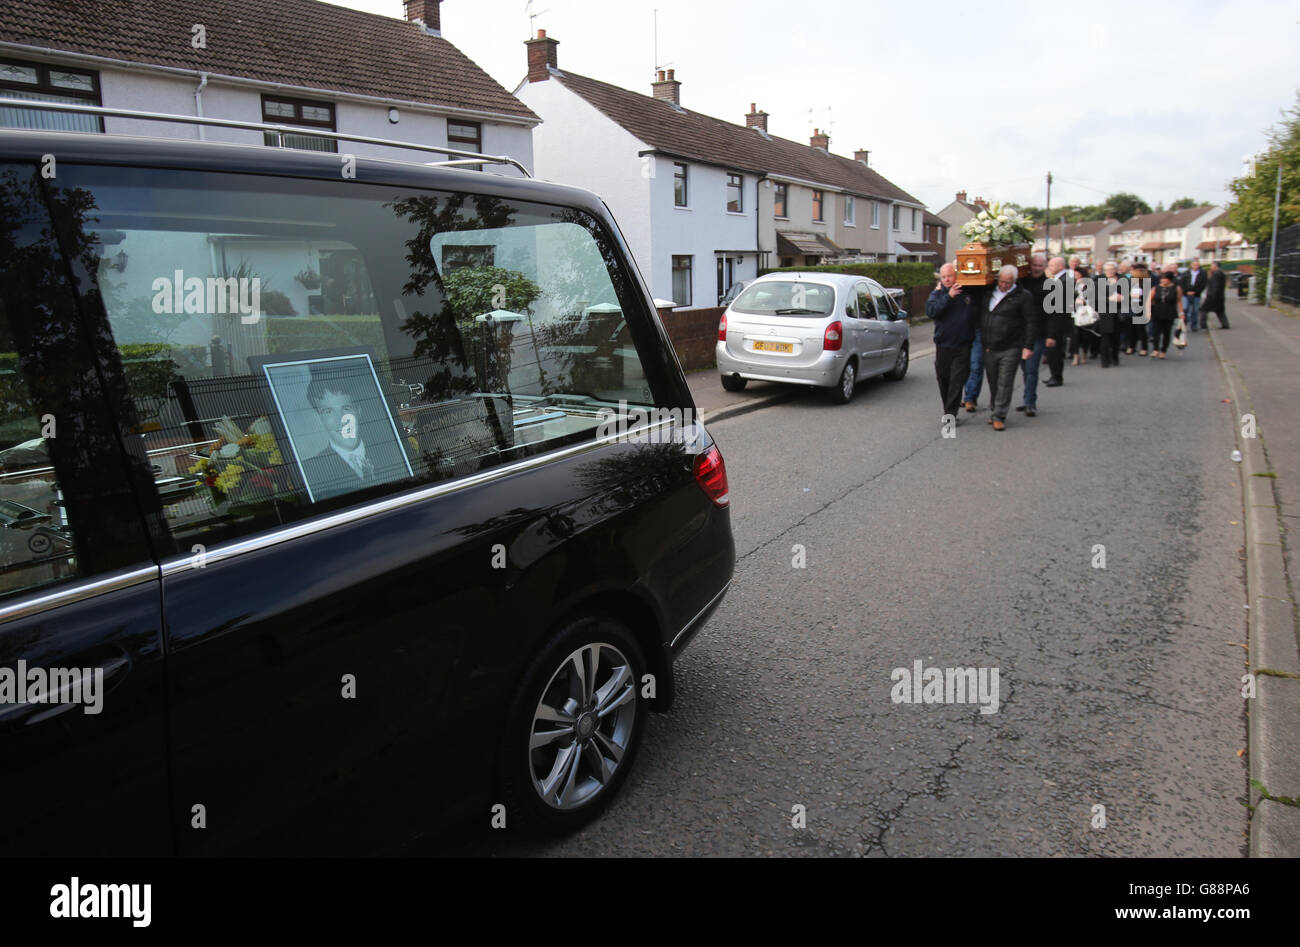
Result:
[
  {"x": 755, "y": 118},
  {"x": 541, "y": 56},
  {"x": 862, "y": 155},
  {"x": 667, "y": 89},
  {"x": 961, "y": 196},
  {"x": 820, "y": 140}
]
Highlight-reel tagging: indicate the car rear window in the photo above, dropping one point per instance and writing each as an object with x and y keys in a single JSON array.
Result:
[
  {"x": 291, "y": 345},
  {"x": 786, "y": 298}
]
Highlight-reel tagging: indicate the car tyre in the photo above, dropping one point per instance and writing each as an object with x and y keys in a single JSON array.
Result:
[
  {"x": 900, "y": 364},
  {"x": 842, "y": 393},
  {"x": 575, "y": 727},
  {"x": 734, "y": 383}
]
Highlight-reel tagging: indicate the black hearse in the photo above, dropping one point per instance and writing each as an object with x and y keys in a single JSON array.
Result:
[{"x": 320, "y": 512}]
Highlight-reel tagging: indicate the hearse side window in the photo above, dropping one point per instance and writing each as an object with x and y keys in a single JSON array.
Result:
[
  {"x": 293, "y": 346},
  {"x": 66, "y": 511}
]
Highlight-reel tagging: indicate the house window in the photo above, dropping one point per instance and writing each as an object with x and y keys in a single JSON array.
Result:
[
  {"x": 913, "y": 220},
  {"x": 896, "y": 218},
  {"x": 778, "y": 202},
  {"x": 42, "y": 83},
  {"x": 875, "y": 215},
  {"x": 682, "y": 280},
  {"x": 466, "y": 136},
  {"x": 679, "y": 184},
  {"x": 735, "y": 193},
  {"x": 278, "y": 110},
  {"x": 818, "y": 198},
  {"x": 850, "y": 212}
]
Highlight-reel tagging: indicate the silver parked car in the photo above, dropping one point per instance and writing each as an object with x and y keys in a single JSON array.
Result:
[{"x": 827, "y": 330}]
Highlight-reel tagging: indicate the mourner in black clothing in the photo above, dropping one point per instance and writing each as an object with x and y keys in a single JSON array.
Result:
[
  {"x": 953, "y": 312},
  {"x": 1165, "y": 305},
  {"x": 1215, "y": 291},
  {"x": 1008, "y": 328},
  {"x": 1111, "y": 297}
]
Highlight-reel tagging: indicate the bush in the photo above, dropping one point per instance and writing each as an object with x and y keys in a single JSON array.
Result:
[{"x": 890, "y": 275}]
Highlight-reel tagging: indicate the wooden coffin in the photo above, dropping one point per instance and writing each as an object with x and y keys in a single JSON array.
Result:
[{"x": 978, "y": 263}]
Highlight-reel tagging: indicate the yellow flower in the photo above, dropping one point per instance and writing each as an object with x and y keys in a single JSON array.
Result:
[
  {"x": 275, "y": 456},
  {"x": 229, "y": 478},
  {"x": 200, "y": 466},
  {"x": 264, "y": 442}
]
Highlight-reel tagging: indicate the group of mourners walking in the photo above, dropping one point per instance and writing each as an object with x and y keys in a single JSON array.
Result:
[{"x": 1055, "y": 312}]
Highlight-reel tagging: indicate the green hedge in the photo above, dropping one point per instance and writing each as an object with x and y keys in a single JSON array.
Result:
[
  {"x": 889, "y": 275},
  {"x": 309, "y": 333}
]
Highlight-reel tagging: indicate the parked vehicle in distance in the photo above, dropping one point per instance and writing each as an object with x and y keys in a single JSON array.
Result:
[
  {"x": 736, "y": 288},
  {"x": 826, "y": 330},
  {"x": 426, "y": 539}
]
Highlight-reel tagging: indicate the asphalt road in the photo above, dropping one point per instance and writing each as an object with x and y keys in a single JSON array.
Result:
[{"x": 1119, "y": 687}]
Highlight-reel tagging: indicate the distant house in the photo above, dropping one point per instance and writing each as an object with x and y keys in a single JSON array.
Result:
[
  {"x": 704, "y": 202},
  {"x": 1219, "y": 242},
  {"x": 314, "y": 66},
  {"x": 933, "y": 246},
  {"x": 954, "y": 215},
  {"x": 1169, "y": 236},
  {"x": 1089, "y": 240}
]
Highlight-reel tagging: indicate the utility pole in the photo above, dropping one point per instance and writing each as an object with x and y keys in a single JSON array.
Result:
[
  {"x": 1272, "y": 247},
  {"x": 1047, "y": 222}
]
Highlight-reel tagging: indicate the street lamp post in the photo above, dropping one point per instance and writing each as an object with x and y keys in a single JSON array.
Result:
[{"x": 1272, "y": 247}]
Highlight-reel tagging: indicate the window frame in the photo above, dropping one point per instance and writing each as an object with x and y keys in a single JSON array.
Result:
[
  {"x": 737, "y": 182},
  {"x": 895, "y": 218},
  {"x": 44, "y": 86},
  {"x": 299, "y": 121},
  {"x": 464, "y": 143},
  {"x": 875, "y": 215},
  {"x": 681, "y": 172},
  {"x": 689, "y": 270},
  {"x": 781, "y": 199},
  {"x": 850, "y": 211},
  {"x": 818, "y": 206}
]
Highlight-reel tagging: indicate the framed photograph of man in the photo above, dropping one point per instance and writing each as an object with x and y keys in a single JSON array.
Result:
[{"x": 338, "y": 424}]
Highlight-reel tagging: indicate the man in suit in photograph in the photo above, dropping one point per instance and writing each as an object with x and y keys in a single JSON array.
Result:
[{"x": 362, "y": 451}]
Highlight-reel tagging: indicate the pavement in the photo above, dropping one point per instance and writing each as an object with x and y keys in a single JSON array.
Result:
[{"x": 1258, "y": 356}]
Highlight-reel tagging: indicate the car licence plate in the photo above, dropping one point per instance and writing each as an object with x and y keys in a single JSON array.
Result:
[{"x": 774, "y": 347}]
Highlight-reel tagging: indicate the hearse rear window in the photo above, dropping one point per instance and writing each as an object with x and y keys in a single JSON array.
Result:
[{"x": 291, "y": 346}]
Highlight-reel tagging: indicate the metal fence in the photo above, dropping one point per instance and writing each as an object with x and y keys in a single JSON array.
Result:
[{"x": 1286, "y": 275}]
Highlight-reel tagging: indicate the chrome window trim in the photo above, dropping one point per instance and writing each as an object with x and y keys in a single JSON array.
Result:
[
  {"x": 77, "y": 592},
  {"x": 388, "y": 504}
]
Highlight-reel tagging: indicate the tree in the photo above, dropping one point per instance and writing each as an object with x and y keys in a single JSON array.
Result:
[
  {"x": 1183, "y": 203},
  {"x": 1122, "y": 206},
  {"x": 1251, "y": 212}
]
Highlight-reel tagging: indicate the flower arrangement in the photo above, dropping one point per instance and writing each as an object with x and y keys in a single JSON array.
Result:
[
  {"x": 999, "y": 226},
  {"x": 242, "y": 467}
]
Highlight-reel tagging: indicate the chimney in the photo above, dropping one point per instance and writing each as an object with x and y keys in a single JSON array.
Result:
[
  {"x": 820, "y": 140},
  {"x": 861, "y": 155},
  {"x": 667, "y": 89},
  {"x": 426, "y": 12},
  {"x": 980, "y": 202},
  {"x": 541, "y": 56},
  {"x": 756, "y": 119},
  {"x": 961, "y": 196}
]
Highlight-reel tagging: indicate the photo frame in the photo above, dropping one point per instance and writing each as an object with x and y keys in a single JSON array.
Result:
[{"x": 339, "y": 425}]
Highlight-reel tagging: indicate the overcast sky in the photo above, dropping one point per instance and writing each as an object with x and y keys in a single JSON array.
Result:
[{"x": 1163, "y": 99}]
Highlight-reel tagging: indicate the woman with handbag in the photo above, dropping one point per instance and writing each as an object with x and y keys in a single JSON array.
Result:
[
  {"x": 1084, "y": 332},
  {"x": 1165, "y": 305}
]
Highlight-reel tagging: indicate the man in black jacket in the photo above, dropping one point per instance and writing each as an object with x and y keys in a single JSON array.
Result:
[
  {"x": 1193, "y": 283},
  {"x": 953, "y": 314},
  {"x": 1009, "y": 328},
  {"x": 1214, "y": 297},
  {"x": 1038, "y": 286}
]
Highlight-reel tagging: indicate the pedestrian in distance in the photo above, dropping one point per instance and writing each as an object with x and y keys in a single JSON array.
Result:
[
  {"x": 1139, "y": 284},
  {"x": 1215, "y": 297},
  {"x": 1111, "y": 294},
  {"x": 1008, "y": 326},
  {"x": 953, "y": 313}
]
